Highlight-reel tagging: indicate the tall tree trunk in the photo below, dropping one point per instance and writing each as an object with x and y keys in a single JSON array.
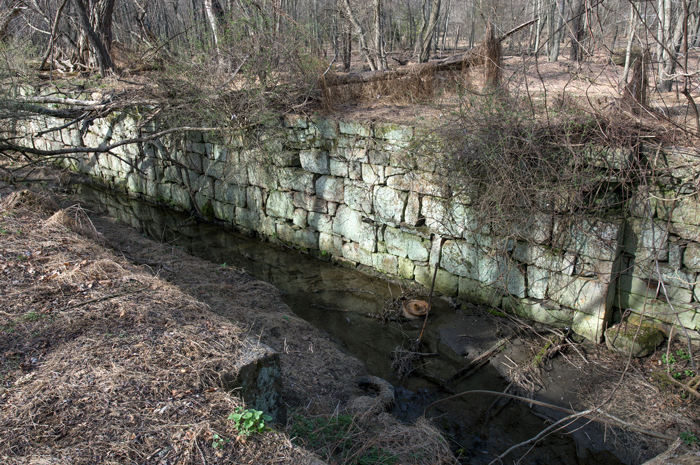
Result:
[
  {"x": 96, "y": 31},
  {"x": 427, "y": 35},
  {"x": 578, "y": 31},
  {"x": 630, "y": 41},
  {"x": 211, "y": 17},
  {"x": 380, "y": 56},
  {"x": 361, "y": 36},
  {"x": 554, "y": 52}
]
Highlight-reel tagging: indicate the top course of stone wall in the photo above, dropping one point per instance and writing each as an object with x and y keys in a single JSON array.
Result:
[{"x": 358, "y": 194}]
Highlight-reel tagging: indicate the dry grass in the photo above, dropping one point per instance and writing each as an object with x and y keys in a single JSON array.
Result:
[{"x": 104, "y": 363}]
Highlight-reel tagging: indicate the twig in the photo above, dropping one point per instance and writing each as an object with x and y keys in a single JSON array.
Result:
[
  {"x": 610, "y": 420},
  {"x": 101, "y": 299}
]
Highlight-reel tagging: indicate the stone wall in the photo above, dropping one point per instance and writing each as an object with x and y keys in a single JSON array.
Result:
[{"x": 353, "y": 193}]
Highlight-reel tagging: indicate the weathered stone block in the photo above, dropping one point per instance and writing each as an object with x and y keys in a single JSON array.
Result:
[
  {"x": 584, "y": 295},
  {"x": 412, "y": 214},
  {"x": 255, "y": 198},
  {"x": 299, "y": 218},
  {"x": 392, "y": 131},
  {"x": 389, "y": 204},
  {"x": 258, "y": 379},
  {"x": 445, "y": 282},
  {"x": 647, "y": 240},
  {"x": 354, "y": 129},
  {"x": 320, "y": 222},
  {"x": 417, "y": 181},
  {"x": 327, "y": 128},
  {"x": 475, "y": 291},
  {"x": 263, "y": 176},
  {"x": 350, "y": 154},
  {"x": 402, "y": 244},
  {"x": 295, "y": 121},
  {"x": 633, "y": 339},
  {"x": 358, "y": 196},
  {"x": 646, "y": 269},
  {"x": 536, "y": 227},
  {"x": 660, "y": 310},
  {"x": 593, "y": 238},
  {"x": 339, "y": 168},
  {"x": 279, "y": 204},
  {"x": 285, "y": 158},
  {"x": 349, "y": 223},
  {"x": 449, "y": 218},
  {"x": 352, "y": 251},
  {"x": 300, "y": 237},
  {"x": 460, "y": 258},
  {"x": 315, "y": 161},
  {"x": 545, "y": 312},
  {"x": 406, "y": 268},
  {"x": 330, "y": 188},
  {"x": 310, "y": 203},
  {"x": 537, "y": 280},
  {"x": 386, "y": 263},
  {"x": 330, "y": 244},
  {"x": 649, "y": 289},
  {"x": 591, "y": 327},
  {"x": 373, "y": 174},
  {"x": 498, "y": 270},
  {"x": 230, "y": 193},
  {"x": 181, "y": 197},
  {"x": 543, "y": 257},
  {"x": 248, "y": 219},
  {"x": 691, "y": 257},
  {"x": 223, "y": 211},
  {"x": 379, "y": 157}
]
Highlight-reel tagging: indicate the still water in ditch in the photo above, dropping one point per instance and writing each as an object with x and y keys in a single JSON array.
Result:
[{"x": 336, "y": 299}]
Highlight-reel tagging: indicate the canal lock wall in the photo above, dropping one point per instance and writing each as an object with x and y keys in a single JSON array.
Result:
[{"x": 354, "y": 193}]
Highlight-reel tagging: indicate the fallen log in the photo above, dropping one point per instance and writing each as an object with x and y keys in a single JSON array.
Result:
[{"x": 472, "y": 57}]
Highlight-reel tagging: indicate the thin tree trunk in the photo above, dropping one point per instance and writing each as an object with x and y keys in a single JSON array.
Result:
[
  {"x": 554, "y": 54},
  {"x": 630, "y": 41},
  {"x": 209, "y": 10},
  {"x": 360, "y": 35}
]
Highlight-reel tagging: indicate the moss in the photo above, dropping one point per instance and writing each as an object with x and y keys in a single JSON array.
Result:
[{"x": 208, "y": 211}]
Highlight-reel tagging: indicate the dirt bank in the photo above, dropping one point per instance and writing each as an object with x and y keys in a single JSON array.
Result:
[{"x": 115, "y": 355}]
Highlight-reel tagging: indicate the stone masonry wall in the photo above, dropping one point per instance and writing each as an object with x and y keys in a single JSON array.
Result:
[{"x": 353, "y": 193}]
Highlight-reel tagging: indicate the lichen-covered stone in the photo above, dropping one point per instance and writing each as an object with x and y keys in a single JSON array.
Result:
[
  {"x": 647, "y": 239},
  {"x": 315, "y": 161},
  {"x": 445, "y": 282},
  {"x": 258, "y": 379},
  {"x": 330, "y": 188},
  {"x": 320, "y": 222},
  {"x": 279, "y": 204},
  {"x": 373, "y": 174},
  {"x": 358, "y": 196},
  {"x": 637, "y": 340},
  {"x": 389, "y": 204},
  {"x": 498, "y": 270},
  {"x": 402, "y": 244},
  {"x": 349, "y": 223},
  {"x": 588, "y": 296},
  {"x": 593, "y": 238},
  {"x": 537, "y": 280},
  {"x": 460, "y": 258},
  {"x": 546, "y": 312},
  {"x": 392, "y": 131},
  {"x": 300, "y": 237},
  {"x": 310, "y": 203},
  {"x": 417, "y": 181}
]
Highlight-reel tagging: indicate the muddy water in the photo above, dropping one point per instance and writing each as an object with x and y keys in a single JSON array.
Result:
[{"x": 336, "y": 299}]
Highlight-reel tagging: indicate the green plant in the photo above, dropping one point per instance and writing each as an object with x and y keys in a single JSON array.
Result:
[
  {"x": 689, "y": 438},
  {"x": 218, "y": 442},
  {"x": 223, "y": 265},
  {"x": 33, "y": 316},
  {"x": 249, "y": 421},
  {"x": 682, "y": 354},
  {"x": 668, "y": 359}
]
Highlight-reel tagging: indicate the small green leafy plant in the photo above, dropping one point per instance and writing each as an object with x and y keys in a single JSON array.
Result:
[
  {"x": 668, "y": 359},
  {"x": 218, "y": 442},
  {"x": 249, "y": 421},
  {"x": 682, "y": 354},
  {"x": 689, "y": 438}
]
